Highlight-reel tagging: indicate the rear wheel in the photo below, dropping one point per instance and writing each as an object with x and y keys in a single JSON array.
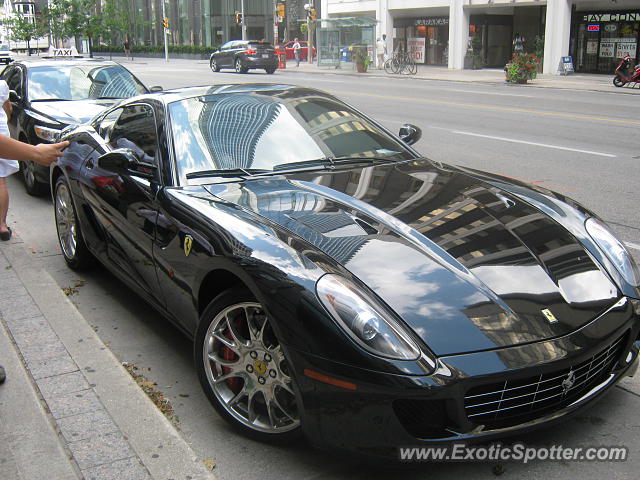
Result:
[
  {"x": 214, "y": 65},
  {"x": 74, "y": 249},
  {"x": 618, "y": 82},
  {"x": 239, "y": 67},
  {"x": 31, "y": 183},
  {"x": 270, "y": 70},
  {"x": 243, "y": 369}
]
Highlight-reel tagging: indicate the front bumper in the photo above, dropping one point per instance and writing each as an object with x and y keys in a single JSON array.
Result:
[{"x": 387, "y": 411}]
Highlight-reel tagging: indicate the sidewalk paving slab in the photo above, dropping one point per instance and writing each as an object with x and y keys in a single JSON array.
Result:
[{"x": 68, "y": 408}]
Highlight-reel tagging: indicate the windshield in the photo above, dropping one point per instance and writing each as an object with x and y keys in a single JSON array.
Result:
[
  {"x": 4, "y": 48},
  {"x": 79, "y": 82},
  {"x": 261, "y": 131}
]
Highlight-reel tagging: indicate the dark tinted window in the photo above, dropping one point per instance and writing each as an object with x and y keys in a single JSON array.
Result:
[{"x": 135, "y": 128}]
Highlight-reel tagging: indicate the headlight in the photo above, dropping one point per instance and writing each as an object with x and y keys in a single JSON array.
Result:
[
  {"x": 614, "y": 250},
  {"x": 365, "y": 320},
  {"x": 47, "y": 133}
]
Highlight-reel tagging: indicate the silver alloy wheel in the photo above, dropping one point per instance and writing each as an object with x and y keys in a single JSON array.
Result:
[
  {"x": 65, "y": 221},
  {"x": 238, "y": 65},
  {"x": 247, "y": 370},
  {"x": 29, "y": 173}
]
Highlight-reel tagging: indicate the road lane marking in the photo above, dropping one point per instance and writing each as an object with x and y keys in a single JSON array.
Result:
[
  {"x": 576, "y": 116},
  {"x": 536, "y": 144},
  {"x": 632, "y": 245}
]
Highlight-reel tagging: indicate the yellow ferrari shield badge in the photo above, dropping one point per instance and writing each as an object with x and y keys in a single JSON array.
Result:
[
  {"x": 188, "y": 242},
  {"x": 550, "y": 316}
]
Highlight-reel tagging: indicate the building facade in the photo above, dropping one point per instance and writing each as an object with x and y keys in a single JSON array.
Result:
[{"x": 595, "y": 33}]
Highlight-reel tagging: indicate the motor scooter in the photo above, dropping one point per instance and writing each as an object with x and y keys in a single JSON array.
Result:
[{"x": 621, "y": 77}]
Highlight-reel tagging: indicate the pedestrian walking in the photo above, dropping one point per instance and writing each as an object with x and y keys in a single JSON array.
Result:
[
  {"x": 7, "y": 166},
  {"x": 44, "y": 154},
  {"x": 296, "y": 51},
  {"x": 127, "y": 48},
  {"x": 518, "y": 43},
  {"x": 381, "y": 51}
]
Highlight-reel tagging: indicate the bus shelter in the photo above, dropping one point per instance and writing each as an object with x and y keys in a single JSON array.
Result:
[{"x": 336, "y": 38}]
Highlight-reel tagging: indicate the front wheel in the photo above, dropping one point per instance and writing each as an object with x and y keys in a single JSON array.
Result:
[
  {"x": 243, "y": 369},
  {"x": 74, "y": 249},
  {"x": 214, "y": 65},
  {"x": 618, "y": 82},
  {"x": 239, "y": 67},
  {"x": 33, "y": 187}
]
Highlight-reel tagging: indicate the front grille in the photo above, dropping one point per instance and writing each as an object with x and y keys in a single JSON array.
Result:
[{"x": 512, "y": 402}]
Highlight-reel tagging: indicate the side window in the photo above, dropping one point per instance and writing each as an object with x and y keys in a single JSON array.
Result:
[
  {"x": 106, "y": 124},
  {"x": 14, "y": 80},
  {"x": 227, "y": 46},
  {"x": 135, "y": 128}
]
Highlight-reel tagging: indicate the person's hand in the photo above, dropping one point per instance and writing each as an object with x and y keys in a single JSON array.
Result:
[{"x": 46, "y": 153}]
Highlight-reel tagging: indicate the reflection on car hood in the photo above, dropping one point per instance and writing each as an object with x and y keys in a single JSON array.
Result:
[
  {"x": 467, "y": 265},
  {"x": 72, "y": 111}
]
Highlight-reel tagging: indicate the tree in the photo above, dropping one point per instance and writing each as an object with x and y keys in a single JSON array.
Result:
[
  {"x": 53, "y": 15},
  {"x": 22, "y": 29},
  {"x": 82, "y": 19}
]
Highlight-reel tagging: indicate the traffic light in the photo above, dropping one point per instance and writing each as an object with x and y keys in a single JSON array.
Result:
[
  {"x": 165, "y": 22},
  {"x": 312, "y": 14},
  {"x": 280, "y": 10},
  {"x": 238, "y": 18}
]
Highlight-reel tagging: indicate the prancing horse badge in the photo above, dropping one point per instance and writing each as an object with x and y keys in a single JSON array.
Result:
[
  {"x": 546, "y": 312},
  {"x": 188, "y": 242}
]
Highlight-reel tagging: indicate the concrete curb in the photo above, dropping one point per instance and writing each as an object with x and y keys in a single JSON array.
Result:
[{"x": 110, "y": 427}]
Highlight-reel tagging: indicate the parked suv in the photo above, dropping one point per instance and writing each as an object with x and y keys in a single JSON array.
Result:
[{"x": 243, "y": 55}]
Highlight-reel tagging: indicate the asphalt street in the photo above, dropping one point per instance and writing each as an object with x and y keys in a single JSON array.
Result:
[{"x": 580, "y": 143}]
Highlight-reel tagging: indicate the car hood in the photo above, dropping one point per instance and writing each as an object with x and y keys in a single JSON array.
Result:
[
  {"x": 72, "y": 111},
  {"x": 467, "y": 265}
]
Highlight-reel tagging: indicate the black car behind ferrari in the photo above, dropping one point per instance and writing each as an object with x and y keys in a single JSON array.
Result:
[
  {"x": 244, "y": 55},
  {"x": 48, "y": 95},
  {"x": 338, "y": 284}
]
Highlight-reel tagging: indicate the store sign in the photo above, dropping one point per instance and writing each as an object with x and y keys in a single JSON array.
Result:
[
  {"x": 623, "y": 49},
  {"x": 592, "y": 48},
  {"x": 612, "y": 27},
  {"x": 607, "y": 49},
  {"x": 432, "y": 21},
  {"x": 612, "y": 17},
  {"x": 416, "y": 48},
  {"x": 593, "y": 28}
]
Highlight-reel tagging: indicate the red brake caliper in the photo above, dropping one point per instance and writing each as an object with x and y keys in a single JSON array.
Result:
[{"x": 228, "y": 354}]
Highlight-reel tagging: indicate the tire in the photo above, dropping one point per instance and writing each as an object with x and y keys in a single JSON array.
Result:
[
  {"x": 239, "y": 67},
  {"x": 411, "y": 69},
  {"x": 618, "y": 82},
  {"x": 31, "y": 184},
  {"x": 270, "y": 70},
  {"x": 214, "y": 65},
  {"x": 243, "y": 369},
  {"x": 70, "y": 238}
]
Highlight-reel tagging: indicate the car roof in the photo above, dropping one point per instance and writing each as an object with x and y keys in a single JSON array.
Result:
[
  {"x": 64, "y": 63},
  {"x": 177, "y": 94}
]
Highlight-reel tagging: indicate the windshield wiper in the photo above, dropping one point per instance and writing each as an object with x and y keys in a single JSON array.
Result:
[
  {"x": 332, "y": 162},
  {"x": 227, "y": 172},
  {"x": 50, "y": 100}
]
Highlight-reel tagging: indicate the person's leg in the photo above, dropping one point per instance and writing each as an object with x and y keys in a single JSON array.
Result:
[
  {"x": 2, "y": 374},
  {"x": 4, "y": 205}
]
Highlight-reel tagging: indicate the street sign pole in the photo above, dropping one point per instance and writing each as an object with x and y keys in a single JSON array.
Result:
[
  {"x": 165, "y": 32},
  {"x": 243, "y": 22}
]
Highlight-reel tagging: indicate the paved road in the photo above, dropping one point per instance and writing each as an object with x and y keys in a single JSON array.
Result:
[{"x": 598, "y": 124}]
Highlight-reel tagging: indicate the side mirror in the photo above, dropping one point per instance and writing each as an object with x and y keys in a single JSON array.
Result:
[
  {"x": 126, "y": 161},
  {"x": 14, "y": 97},
  {"x": 409, "y": 133},
  {"x": 156, "y": 88}
]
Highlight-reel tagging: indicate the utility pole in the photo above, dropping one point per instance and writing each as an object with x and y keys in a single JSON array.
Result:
[
  {"x": 275, "y": 23},
  {"x": 243, "y": 21},
  {"x": 165, "y": 32},
  {"x": 311, "y": 16}
]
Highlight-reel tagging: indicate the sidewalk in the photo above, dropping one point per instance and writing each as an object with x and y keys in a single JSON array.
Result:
[
  {"x": 68, "y": 409},
  {"x": 574, "y": 81}
]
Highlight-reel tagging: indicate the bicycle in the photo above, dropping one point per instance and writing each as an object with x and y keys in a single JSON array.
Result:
[{"x": 401, "y": 63}]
